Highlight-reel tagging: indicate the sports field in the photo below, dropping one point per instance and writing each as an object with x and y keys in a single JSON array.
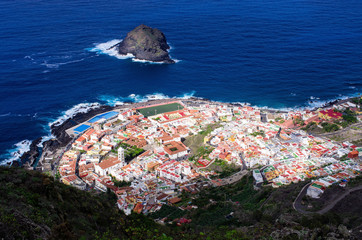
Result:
[{"x": 150, "y": 111}]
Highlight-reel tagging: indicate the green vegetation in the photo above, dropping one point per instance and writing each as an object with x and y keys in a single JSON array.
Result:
[
  {"x": 120, "y": 183},
  {"x": 215, "y": 204},
  {"x": 223, "y": 168},
  {"x": 357, "y": 101},
  {"x": 355, "y": 181},
  {"x": 151, "y": 111},
  {"x": 277, "y": 119},
  {"x": 298, "y": 121},
  {"x": 358, "y": 142},
  {"x": 349, "y": 116},
  {"x": 130, "y": 152},
  {"x": 261, "y": 133},
  {"x": 309, "y": 126},
  {"x": 37, "y": 207},
  {"x": 167, "y": 211},
  {"x": 329, "y": 127},
  {"x": 195, "y": 142}
]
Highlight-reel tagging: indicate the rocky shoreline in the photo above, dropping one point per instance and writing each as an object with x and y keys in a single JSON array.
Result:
[
  {"x": 61, "y": 138},
  {"x": 146, "y": 43}
]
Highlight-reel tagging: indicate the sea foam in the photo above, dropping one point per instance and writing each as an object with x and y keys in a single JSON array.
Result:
[
  {"x": 109, "y": 49},
  {"x": 119, "y": 100},
  {"x": 14, "y": 154},
  {"x": 79, "y": 108}
]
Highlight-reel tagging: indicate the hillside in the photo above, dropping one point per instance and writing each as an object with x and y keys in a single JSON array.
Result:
[{"x": 34, "y": 206}]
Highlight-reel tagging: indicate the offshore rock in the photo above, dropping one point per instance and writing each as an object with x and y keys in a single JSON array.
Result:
[{"x": 146, "y": 43}]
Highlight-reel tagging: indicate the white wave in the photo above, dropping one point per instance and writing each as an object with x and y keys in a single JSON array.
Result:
[
  {"x": 19, "y": 149},
  {"x": 5, "y": 114},
  {"x": 106, "y": 48},
  {"x": 187, "y": 95},
  {"x": 111, "y": 100},
  {"x": 145, "y": 61},
  {"x": 79, "y": 108},
  {"x": 29, "y": 57},
  {"x": 44, "y": 139},
  {"x": 109, "y": 49},
  {"x": 57, "y": 65},
  {"x": 176, "y": 60},
  {"x": 19, "y": 115},
  {"x": 321, "y": 103},
  {"x": 313, "y": 98},
  {"x": 118, "y": 100},
  {"x": 352, "y": 87},
  {"x": 293, "y": 94}
]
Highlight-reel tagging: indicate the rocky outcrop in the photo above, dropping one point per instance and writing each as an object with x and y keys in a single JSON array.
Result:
[
  {"x": 32, "y": 154},
  {"x": 146, "y": 43}
]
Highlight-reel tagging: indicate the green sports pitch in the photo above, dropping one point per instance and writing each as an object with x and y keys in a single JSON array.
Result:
[{"x": 150, "y": 111}]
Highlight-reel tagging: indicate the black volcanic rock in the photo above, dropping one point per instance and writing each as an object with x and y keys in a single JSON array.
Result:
[{"x": 146, "y": 43}]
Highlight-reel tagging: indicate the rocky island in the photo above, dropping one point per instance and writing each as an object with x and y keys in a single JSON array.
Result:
[{"x": 145, "y": 43}]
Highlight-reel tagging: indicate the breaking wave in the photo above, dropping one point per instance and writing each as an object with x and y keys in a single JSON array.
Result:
[
  {"x": 14, "y": 154},
  {"x": 23, "y": 146},
  {"x": 57, "y": 65},
  {"x": 117, "y": 100},
  {"x": 79, "y": 108},
  {"x": 108, "y": 48},
  {"x": 54, "y": 61}
]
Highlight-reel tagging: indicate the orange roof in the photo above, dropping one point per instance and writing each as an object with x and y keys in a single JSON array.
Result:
[
  {"x": 178, "y": 146},
  {"x": 110, "y": 162},
  {"x": 174, "y": 200},
  {"x": 80, "y": 139}
]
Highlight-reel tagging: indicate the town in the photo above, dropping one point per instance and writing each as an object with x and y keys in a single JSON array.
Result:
[{"x": 143, "y": 154}]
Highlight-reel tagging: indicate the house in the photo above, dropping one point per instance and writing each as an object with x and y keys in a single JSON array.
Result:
[
  {"x": 330, "y": 114},
  {"x": 353, "y": 154},
  {"x": 174, "y": 200},
  {"x": 108, "y": 166},
  {"x": 175, "y": 149}
]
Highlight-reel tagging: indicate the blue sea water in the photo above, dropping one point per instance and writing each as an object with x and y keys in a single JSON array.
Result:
[{"x": 280, "y": 53}]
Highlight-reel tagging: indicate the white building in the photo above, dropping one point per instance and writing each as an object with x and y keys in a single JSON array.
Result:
[
  {"x": 108, "y": 166},
  {"x": 121, "y": 155}
]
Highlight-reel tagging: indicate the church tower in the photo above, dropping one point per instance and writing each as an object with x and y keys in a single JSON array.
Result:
[{"x": 121, "y": 156}]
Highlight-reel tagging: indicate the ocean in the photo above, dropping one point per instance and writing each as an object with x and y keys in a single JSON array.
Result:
[{"x": 280, "y": 54}]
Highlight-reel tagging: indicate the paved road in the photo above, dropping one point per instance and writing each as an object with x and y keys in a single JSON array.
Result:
[
  {"x": 297, "y": 202},
  {"x": 298, "y": 206},
  {"x": 234, "y": 178}
]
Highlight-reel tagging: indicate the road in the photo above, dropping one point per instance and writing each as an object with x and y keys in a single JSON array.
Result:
[
  {"x": 355, "y": 128},
  {"x": 298, "y": 206},
  {"x": 234, "y": 178}
]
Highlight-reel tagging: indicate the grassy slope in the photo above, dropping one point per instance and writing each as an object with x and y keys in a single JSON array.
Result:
[{"x": 34, "y": 206}]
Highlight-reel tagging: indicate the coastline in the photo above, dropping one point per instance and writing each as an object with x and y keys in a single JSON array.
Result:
[{"x": 40, "y": 157}]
